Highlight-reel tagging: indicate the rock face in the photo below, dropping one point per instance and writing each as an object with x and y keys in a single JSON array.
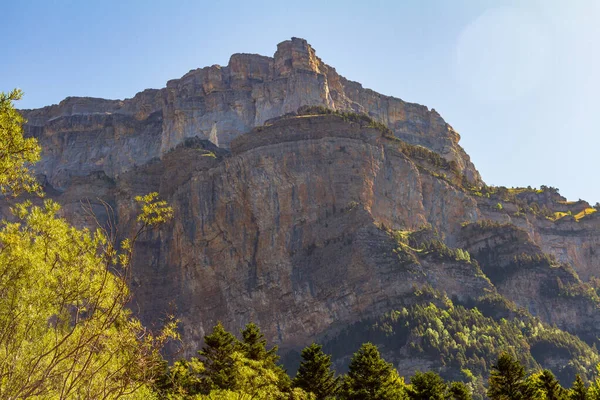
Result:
[
  {"x": 83, "y": 135},
  {"x": 295, "y": 220},
  {"x": 265, "y": 234}
]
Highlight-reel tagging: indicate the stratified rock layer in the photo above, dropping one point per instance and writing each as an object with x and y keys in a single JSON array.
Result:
[
  {"x": 82, "y": 135},
  {"x": 291, "y": 224}
]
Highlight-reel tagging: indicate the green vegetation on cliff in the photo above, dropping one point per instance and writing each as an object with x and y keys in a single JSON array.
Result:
[{"x": 511, "y": 371}]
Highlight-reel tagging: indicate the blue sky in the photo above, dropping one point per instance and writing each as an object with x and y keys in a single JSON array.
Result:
[{"x": 520, "y": 80}]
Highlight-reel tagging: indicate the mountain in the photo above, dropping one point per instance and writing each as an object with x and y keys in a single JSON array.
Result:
[{"x": 325, "y": 211}]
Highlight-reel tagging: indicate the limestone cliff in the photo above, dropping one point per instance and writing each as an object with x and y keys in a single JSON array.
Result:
[
  {"x": 82, "y": 135},
  {"x": 306, "y": 204}
]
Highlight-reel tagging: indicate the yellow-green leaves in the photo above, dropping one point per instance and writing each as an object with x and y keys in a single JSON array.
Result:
[
  {"x": 65, "y": 331},
  {"x": 154, "y": 211},
  {"x": 16, "y": 152}
]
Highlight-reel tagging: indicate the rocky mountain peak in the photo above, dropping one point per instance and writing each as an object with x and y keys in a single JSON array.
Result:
[
  {"x": 296, "y": 55},
  {"x": 218, "y": 104}
]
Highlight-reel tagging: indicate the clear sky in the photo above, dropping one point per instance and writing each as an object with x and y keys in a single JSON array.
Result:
[{"x": 520, "y": 80}]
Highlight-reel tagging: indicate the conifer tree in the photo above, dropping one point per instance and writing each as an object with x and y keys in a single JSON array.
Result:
[
  {"x": 314, "y": 374},
  {"x": 578, "y": 390},
  {"x": 254, "y": 347},
  {"x": 459, "y": 391},
  {"x": 371, "y": 377},
  {"x": 427, "y": 386},
  {"x": 507, "y": 379},
  {"x": 550, "y": 387},
  {"x": 217, "y": 357},
  {"x": 593, "y": 392}
]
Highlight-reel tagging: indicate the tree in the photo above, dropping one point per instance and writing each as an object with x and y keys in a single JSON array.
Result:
[
  {"x": 183, "y": 378},
  {"x": 507, "y": 379},
  {"x": 578, "y": 390},
  {"x": 217, "y": 356},
  {"x": 64, "y": 326},
  {"x": 550, "y": 387},
  {"x": 16, "y": 152},
  {"x": 427, "y": 386},
  {"x": 65, "y": 331},
  {"x": 314, "y": 374},
  {"x": 459, "y": 391},
  {"x": 254, "y": 380},
  {"x": 594, "y": 388},
  {"x": 254, "y": 347},
  {"x": 371, "y": 377}
]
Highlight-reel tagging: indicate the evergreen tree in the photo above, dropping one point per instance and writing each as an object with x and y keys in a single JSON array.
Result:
[
  {"x": 217, "y": 357},
  {"x": 371, "y": 378},
  {"x": 459, "y": 391},
  {"x": 578, "y": 390},
  {"x": 315, "y": 374},
  {"x": 507, "y": 379},
  {"x": 550, "y": 387},
  {"x": 593, "y": 392},
  {"x": 254, "y": 347},
  {"x": 427, "y": 386}
]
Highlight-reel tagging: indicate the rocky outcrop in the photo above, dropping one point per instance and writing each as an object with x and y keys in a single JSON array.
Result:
[
  {"x": 298, "y": 221},
  {"x": 265, "y": 234},
  {"x": 83, "y": 135}
]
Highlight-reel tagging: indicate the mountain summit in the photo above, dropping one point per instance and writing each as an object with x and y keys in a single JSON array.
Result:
[{"x": 325, "y": 211}]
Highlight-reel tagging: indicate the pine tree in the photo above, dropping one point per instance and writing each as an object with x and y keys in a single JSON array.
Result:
[
  {"x": 578, "y": 390},
  {"x": 254, "y": 347},
  {"x": 427, "y": 386},
  {"x": 315, "y": 374},
  {"x": 370, "y": 377},
  {"x": 550, "y": 386},
  {"x": 217, "y": 357},
  {"x": 459, "y": 391},
  {"x": 593, "y": 392},
  {"x": 507, "y": 379}
]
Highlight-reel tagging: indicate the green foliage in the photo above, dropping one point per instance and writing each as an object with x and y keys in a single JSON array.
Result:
[
  {"x": 217, "y": 357},
  {"x": 65, "y": 331},
  {"x": 579, "y": 390},
  {"x": 546, "y": 382},
  {"x": 16, "y": 152},
  {"x": 154, "y": 211},
  {"x": 371, "y": 377},
  {"x": 594, "y": 388},
  {"x": 230, "y": 369},
  {"x": 459, "y": 391},
  {"x": 456, "y": 339},
  {"x": 182, "y": 379},
  {"x": 425, "y": 243},
  {"x": 431, "y": 157},
  {"x": 64, "y": 327},
  {"x": 507, "y": 379},
  {"x": 427, "y": 386},
  {"x": 254, "y": 347},
  {"x": 347, "y": 116},
  {"x": 315, "y": 375}
]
